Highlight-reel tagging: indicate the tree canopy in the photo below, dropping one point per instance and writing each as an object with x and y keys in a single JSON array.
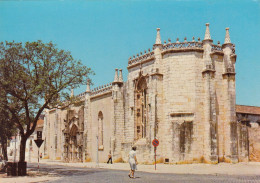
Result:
[
  {"x": 7, "y": 125},
  {"x": 35, "y": 76}
]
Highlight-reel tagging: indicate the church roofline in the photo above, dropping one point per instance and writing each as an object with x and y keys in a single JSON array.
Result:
[{"x": 184, "y": 46}]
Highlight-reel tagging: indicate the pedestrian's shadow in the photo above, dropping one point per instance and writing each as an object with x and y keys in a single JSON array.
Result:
[{"x": 136, "y": 178}]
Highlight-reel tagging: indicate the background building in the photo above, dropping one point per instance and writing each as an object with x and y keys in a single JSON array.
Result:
[{"x": 31, "y": 150}]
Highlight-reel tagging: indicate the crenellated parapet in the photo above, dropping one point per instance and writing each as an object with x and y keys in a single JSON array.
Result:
[
  {"x": 81, "y": 96},
  {"x": 185, "y": 46},
  {"x": 182, "y": 46},
  {"x": 101, "y": 90},
  {"x": 142, "y": 58}
]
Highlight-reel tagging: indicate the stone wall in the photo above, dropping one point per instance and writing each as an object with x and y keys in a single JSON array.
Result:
[
  {"x": 254, "y": 142},
  {"x": 103, "y": 104}
]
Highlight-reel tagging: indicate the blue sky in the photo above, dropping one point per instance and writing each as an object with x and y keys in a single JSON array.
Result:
[{"x": 104, "y": 34}]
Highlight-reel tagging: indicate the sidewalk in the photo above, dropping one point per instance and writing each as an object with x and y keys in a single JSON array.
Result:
[{"x": 251, "y": 168}]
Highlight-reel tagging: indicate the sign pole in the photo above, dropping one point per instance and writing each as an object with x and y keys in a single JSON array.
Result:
[
  {"x": 38, "y": 159},
  {"x": 39, "y": 142},
  {"x": 155, "y": 143},
  {"x": 97, "y": 160},
  {"x": 155, "y": 157}
]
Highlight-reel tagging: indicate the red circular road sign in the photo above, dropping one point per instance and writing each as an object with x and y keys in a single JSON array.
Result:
[{"x": 155, "y": 142}]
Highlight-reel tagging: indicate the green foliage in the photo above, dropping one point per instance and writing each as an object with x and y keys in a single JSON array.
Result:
[
  {"x": 36, "y": 76},
  {"x": 7, "y": 125}
]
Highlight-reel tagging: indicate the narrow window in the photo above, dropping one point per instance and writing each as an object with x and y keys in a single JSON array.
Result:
[{"x": 100, "y": 130}]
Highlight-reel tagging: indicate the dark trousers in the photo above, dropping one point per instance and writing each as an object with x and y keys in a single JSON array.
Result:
[{"x": 110, "y": 159}]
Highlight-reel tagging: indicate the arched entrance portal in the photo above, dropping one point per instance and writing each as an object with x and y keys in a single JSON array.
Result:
[
  {"x": 73, "y": 143},
  {"x": 141, "y": 103}
]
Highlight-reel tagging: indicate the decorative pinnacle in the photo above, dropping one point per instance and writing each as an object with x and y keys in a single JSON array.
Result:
[
  {"x": 158, "y": 37},
  {"x": 177, "y": 40},
  {"x": 120, "y": 76},
  {"x": 227, "y": 37},
  {"x": 116, "y": 75},
  {"x": 71, "y": 92},
  {"x": 207, "y": 33},
  {"x": 88, "y": 86}
]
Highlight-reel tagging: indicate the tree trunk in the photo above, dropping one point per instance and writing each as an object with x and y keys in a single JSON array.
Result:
[
  {"x": 22, "y": 165},
  {"x": 22, "y": 149},
  {"x": 4, "y": 148}
]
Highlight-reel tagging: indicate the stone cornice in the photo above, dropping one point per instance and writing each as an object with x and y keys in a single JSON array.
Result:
[
  {"x": 182, "y": 50},
  {"x": 141, "y": 62},
  {"x": 229, "y": 74},
  {"x": 100, "y": 95},
  {"x": 208, "y": 71},
  {"x": 217, "y": 53},
  {"x": 157, "y": 74}
]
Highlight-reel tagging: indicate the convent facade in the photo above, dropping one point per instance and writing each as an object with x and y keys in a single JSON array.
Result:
[{"x": 181, "y": 93}]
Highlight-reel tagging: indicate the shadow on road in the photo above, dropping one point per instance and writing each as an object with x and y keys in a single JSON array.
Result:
[{"x": 62, "y": 172}]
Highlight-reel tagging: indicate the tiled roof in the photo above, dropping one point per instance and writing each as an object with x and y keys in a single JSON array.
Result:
[
  {"x": 40, "y": 123},
  {"x": 248, "y": 109}
]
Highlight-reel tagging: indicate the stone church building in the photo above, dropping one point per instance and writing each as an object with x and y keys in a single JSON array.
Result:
[{"x": 181, "y": 93}]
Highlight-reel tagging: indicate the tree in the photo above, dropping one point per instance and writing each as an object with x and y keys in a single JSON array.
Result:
[
  {"x": 36, "y": 76},
  {"x": 7, "y": 124},
  {"x": 7, "y": 127}
]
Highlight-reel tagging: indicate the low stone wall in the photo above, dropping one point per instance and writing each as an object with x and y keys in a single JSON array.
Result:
[{"x": 254, "y": 142}]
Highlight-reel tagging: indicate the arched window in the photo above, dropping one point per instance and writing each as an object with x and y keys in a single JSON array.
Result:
[
  {"x": 100, "y": 130},
  {"x": 141, "y": 104}
]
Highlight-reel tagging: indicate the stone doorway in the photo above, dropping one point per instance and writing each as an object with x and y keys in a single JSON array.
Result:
[
  {"x": 141, "y": 106},
  {"x": 73, "y": 149}
]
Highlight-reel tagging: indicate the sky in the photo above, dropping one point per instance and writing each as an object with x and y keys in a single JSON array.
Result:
[{"x": 104, "y": 34}]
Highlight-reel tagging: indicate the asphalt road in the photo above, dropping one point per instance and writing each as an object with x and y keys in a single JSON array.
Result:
[{"x": 89, "y": 175}]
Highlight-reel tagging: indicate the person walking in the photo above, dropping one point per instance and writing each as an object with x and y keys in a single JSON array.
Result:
[
  {"x": 109, "y": 158},
  {"x": 132, "y": 162}
]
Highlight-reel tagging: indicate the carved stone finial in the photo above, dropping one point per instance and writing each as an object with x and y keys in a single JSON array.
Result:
[
  {"x": 120, "y": 76},
  {"x": 130, "y": 58},
  {"x": 149, "y": 49},
  {"x": 199, "y": 39},
  {"x": 158, "y": 37},
  {"x": 207, "y": 33},
  {"x": 88, "y": 86},
  {"x": 144, "y": 51},
  {"x": 227, "y": 37},
  {"x": 116, "y": 75},
  {"x": 218, "y": 43},
  {"x": 133, "y": 56},
  {"x": 193, "y": 39},
  {"x": 177, "y": 40},
  {"x": 164, "y": 42},
  {"x": 185, "y": 39},
  {"x": 141, "y": 53},
  {"x": 169, "y": 40}
]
